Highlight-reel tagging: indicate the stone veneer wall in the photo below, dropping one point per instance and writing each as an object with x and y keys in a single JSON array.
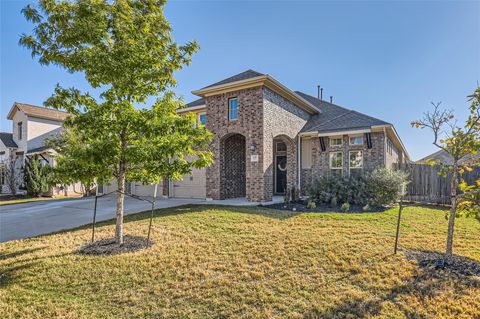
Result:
[
  {"x": 284, "y": 120},
  {"x": 250, "y": 125},
  {"x": 372, "y": 158}
]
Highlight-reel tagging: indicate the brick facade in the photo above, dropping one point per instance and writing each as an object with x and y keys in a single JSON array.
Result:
[
  {"x": 244, "y": 149},
  {"x": 263, "y": 116},
  {"x": 372, "y": 158},
  {"x": 250, "y": 125}
]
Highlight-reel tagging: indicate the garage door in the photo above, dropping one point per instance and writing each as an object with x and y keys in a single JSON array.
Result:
[{"x": 191, "y": 186}]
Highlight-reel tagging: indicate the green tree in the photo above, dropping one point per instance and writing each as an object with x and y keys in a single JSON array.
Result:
[
  {"x": 35, "y": 176},
  {"x": 127, "y": 53},
  {"x": 458, "y": 142},
  {"x": 11, "y": 174}
]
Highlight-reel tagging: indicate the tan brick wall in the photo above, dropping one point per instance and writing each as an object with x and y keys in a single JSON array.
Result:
[
  {"x": 282, "y": 120},
  {"x": 263, "y": 115},
  {"x": 250, "y": 125}
]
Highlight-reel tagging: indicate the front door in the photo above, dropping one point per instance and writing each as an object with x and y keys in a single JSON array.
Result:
[{"x": 281, "y": 174}]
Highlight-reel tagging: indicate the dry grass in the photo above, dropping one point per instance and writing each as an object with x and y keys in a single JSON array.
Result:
[{"x": 244, "y": 262}]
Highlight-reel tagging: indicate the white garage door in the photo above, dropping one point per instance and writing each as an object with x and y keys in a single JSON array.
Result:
[{"x": 191, "y": 186}]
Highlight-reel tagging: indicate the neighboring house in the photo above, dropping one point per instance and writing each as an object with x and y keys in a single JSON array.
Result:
[
  {"x": 32, "y": 125},
  {"x": 267, "y": 137},
  {"x": 443, "y": 157}
]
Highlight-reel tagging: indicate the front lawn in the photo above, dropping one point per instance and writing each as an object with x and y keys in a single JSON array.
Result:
[{"x": 222, "y": 262}]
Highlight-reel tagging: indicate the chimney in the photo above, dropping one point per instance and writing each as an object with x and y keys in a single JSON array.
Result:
[
  {"x": 331, "y": 99},
  {"x": 318, "y": 91},
  {"x": 321, "y": 94}
]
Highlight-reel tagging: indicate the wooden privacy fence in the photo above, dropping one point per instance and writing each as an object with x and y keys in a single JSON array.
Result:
[{"x": 427, "y": 186}]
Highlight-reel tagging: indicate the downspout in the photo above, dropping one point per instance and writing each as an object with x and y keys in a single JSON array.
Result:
[{"x": 299, "y": 163}]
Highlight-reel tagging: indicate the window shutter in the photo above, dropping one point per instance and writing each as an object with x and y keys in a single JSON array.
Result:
[
  {"x": 322, "y": 144},
  {"x": 368, "y": 138}
]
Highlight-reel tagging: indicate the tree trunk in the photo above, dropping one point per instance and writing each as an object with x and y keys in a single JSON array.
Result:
[
  {"x": 453, "y": 213},
  {"x": 120, "y": 199},
  {"x": 121, "y": 192}
]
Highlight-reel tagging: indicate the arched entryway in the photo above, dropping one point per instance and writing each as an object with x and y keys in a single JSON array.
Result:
[
  {"x": 283, "y": 164},
  {"x": 233, "y": 166}
]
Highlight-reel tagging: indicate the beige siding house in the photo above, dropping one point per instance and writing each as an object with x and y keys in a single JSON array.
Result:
[{"x": 31, "y": 127}]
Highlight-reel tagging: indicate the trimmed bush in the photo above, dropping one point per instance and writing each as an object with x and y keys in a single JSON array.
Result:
[
  {"x": 380, "y": 188},
  {"x": 385, "y": 186},
  {"x": 338, "y": 189}
]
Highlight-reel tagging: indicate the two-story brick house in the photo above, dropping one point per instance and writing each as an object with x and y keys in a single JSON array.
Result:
[{"x": 268, "y": 137}]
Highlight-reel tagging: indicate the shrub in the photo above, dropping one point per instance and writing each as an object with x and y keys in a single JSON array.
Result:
[
  {"x": 311, "y": 205},
  {"x": 345, "y": 207},
  {"x": 384, "y": 186},
  {"x": 338, "y": 189},
  {"x": 379, "y": 188}
]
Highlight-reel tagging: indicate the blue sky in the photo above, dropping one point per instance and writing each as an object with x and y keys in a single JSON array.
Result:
[{"x": 386, "y": 59}]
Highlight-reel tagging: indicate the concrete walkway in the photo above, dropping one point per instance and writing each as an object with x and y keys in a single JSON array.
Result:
[{"x": 19, "y": 221}]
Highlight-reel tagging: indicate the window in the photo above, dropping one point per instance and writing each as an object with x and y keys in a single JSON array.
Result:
[
  {"x": 356, "y": 140},
  {"x": 355, "y": 163},
  {"x": 356, "y": 159},
  {"x": 336, "y": 141},
  {"x": 233, "y": 109},
  {"x": 336, "y": 160},
  {"x": 202, "y": 118},
  {"x": 390, "y": 147},
  {"x": 19, "y": 127},
  {"x": 280, "y": 147}
]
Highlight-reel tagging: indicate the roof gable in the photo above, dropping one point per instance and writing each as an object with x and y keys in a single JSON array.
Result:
[
  {"x": 249, "y": 74},
  {"x": 37, "y": 111},
  {"x": 251, "y": 79}
]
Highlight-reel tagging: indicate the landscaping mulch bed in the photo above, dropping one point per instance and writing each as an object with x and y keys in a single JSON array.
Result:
[
  {"x": 458, "y": 265},
  {"x": 302, "y": 207},
  {"x": 108, "y": 246}
]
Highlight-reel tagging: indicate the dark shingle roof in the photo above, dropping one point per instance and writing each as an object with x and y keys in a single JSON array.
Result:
[
  {"x": 198, "y": 102},
  {"x": 238, "y": 77},
  {"x": 7, "y": 139},
  {"x": 335, "y": 118}
]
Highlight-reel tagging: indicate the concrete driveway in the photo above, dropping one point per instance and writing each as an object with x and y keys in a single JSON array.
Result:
[{"x": 37, "y": 218}]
